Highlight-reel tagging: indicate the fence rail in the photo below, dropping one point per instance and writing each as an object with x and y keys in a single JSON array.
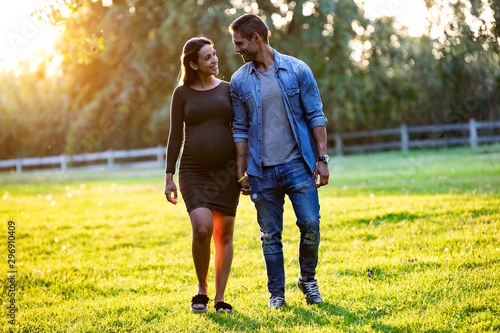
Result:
[
  {"x": 470, "y": 136},
  {"x": 110, "y": 159},
  {"x": 155, "y": 157}
]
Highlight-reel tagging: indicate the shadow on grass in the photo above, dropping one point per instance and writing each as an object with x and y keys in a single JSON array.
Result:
[
  {"x": 235, "y": 321},
  {"x": 327, "y": 309},
  {"x": 391, "y": 218},
  {"x": 325, "y": 315},
  {"x": 337, "y": 317},
  {"x": 397, "y": 217}
]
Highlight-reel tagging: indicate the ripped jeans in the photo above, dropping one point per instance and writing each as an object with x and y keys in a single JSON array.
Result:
[{"x": 294, "y": 179}]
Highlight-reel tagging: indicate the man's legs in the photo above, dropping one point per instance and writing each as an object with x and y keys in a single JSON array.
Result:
[
  {"x": 296, "y": 180},
  {"x": 303, "y": 194},
  {"x": 269, "y": 199},
  {"x": 301, "y": 189}
]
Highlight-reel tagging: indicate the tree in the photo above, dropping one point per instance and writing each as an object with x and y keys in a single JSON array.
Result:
[{"x": 122, "y": 59}]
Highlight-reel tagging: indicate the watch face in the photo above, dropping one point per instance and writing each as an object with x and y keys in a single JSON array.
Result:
[{"x": 324, "y": 158}]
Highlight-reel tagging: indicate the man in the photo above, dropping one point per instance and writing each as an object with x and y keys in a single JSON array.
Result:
[{"x": 280, "y": 139}]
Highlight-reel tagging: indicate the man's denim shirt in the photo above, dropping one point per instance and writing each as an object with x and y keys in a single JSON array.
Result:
[{"x": 302, "y": 102}]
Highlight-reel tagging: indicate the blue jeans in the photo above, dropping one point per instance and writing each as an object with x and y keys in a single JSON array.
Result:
[{"x": 294, "y": 179}]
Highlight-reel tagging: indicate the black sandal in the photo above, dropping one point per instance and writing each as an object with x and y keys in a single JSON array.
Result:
[
  {"x": 223, "y": 306},
  {"x": 199, "y": 299}
]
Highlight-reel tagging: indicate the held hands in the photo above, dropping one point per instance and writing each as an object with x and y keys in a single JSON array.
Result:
[
  {"x": 245, "y": 186},
  {"x": 321, "y": 174},
  {"x": 170, "y": 190}
]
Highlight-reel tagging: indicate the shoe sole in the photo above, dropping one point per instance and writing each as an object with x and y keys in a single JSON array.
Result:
[
  {"x": 312, "y": 303},
  {"x": 199, "y": 311}
]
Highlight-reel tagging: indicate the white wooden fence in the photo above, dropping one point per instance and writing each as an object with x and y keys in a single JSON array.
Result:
[
  {"x": 111, "y": 159},
  {"x": 155, "y": 157},
  {"x": 401, "y": 137}
]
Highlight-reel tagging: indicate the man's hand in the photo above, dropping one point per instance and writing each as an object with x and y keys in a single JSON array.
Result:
[{"x": 321, "y": 174}]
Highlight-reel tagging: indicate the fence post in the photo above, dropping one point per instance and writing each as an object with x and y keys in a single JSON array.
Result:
[
  {"x": 473, "y": 133},
  {"x": 159, "y": 155},
  {"x": 64, "y": 162},
  {"x": 110, "y": 159},
  {"x": 19, "y": 165},
  {"x": 338, "y": 144},
  {"x": 405, "y": 141}
]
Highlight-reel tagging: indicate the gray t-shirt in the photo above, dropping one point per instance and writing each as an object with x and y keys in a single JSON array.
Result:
[{"x": 278, "y": 143}]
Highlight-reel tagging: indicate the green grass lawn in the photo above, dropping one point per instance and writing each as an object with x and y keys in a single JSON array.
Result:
[{"x": 105, "y": 252}]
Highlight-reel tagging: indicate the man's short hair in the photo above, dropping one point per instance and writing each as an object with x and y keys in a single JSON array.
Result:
[{"x": 247, "y": 24}]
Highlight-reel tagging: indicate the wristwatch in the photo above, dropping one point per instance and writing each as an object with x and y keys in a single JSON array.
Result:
[{"x": 324, "y": 158}]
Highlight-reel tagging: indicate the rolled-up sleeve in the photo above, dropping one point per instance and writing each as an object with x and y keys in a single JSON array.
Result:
[
  {"x": 240, "y": 118},
  {"x": 310, "y": 98}
]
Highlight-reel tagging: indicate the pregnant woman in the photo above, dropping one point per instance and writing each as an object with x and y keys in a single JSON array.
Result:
[{"x": 200, "y": 116}]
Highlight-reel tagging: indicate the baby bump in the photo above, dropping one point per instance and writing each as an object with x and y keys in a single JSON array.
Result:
[{"x": 211, "y": 150}]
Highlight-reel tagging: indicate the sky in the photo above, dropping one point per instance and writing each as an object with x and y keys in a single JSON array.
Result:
[{"x": 25, "y": 36}]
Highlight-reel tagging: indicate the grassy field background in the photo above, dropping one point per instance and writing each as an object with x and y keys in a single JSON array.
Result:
[{"x": 105, "y": 252}]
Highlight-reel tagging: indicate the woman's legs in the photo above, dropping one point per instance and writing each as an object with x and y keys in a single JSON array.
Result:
[
  {"x": 202, "y": 225},
  {"x": 205, "y": 225},
  {"x": 223, "y": 240}
]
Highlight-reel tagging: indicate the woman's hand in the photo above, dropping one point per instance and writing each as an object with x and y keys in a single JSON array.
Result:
[
  {"x": 245, "y": 186},
  {"x": 170, "y": 189}
]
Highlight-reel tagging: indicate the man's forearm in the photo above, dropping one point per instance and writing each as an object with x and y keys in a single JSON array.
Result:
[
  {"x": 241, "y": 158},
  {"x": 320, "y": 139}
]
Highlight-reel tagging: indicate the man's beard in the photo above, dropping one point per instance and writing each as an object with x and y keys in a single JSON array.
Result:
[{"x": 248, "y": 57}]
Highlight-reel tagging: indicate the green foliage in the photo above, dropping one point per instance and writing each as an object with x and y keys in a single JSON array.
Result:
[
  {"x": 33, "y": 114},
  {"x": 105, "y": 252},
  {"x": 468, "y": 67},
  {"x": 121, "y": 63}
]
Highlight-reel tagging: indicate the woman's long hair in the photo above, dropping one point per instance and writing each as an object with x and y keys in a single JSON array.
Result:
[{"x": 188, "y": 76}]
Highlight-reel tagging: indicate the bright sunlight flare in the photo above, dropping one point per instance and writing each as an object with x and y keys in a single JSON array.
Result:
[
  {"x": 26, "y": 33},
  {"x": 410, "y": 13}
]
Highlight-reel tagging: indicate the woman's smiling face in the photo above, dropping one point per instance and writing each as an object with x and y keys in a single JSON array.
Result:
[{"x": 208, "y": 61}]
